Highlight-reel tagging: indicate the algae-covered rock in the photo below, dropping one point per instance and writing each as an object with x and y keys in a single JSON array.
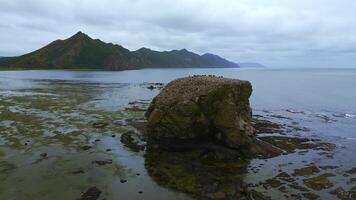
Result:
[
  {"x": 201, "y": 108},
  {"x": 319, "y": 182},
  {"x": 306, "y": 171},
  {"x": 341, "y": 193},
  {"x": 311, "y": 196}
]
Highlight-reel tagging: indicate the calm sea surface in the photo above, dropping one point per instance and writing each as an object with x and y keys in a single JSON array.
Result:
[
  {"x": 310, "y": 89},
  {"x": 37, "y": 106}
]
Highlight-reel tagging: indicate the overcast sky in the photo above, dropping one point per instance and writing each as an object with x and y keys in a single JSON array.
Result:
[{"x": 276, "y": 33}]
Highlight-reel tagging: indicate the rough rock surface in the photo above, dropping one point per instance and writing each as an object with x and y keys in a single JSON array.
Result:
[{"x": 201, "y": 108}]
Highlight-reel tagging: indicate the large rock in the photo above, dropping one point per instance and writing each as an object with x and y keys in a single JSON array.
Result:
[{"x": 196, "y": 109}]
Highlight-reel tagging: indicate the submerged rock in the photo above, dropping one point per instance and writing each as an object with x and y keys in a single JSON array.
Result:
[{"x": 198, "y": 109}]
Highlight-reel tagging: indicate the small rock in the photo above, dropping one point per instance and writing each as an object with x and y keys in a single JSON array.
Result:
[
  {"x": 283, "y": 189},
  {"x": 216, "y": 195},
  {"x": 352, "y": 180},
  {"x": 102, "y": 162},
  {"x": 79, "y": 171},
  {"x": 99, "y": 124},
  {"x": 87, "y": 147},
  {"x": 296, "y": 186},
  {"x": 340, "y": 193},
  {"x": 92, "y": 193},
  {"x": 43, "y": 155},
  {"x": 311, "y": 196},
  {"x": 273, "y": 182},
  {"x": 326, "y": 167},
  {"x": 353, "y": 193},
  {"x": 258, "y": 195},
  {"x": 129, "y": 141},
  {"x": 283, "y": 175},
  {"x": 151, "y": 87},
  {"x": 120, "y": 122},
  {"x": 352, "y": 171}
]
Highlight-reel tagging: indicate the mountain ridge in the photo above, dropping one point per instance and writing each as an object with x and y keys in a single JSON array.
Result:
[{"x": 80, "y": 51}]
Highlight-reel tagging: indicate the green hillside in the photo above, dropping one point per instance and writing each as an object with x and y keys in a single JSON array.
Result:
[{"x": 82, "y": 52}]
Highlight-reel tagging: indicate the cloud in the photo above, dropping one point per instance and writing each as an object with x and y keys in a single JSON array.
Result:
[{"x": 276, "y": 33}]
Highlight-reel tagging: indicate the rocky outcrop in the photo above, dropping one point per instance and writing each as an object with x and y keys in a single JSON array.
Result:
[{"x": 191, "y": 110}]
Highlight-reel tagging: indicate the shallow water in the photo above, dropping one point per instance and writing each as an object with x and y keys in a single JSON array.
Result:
[{"x": 52, "y": 112}]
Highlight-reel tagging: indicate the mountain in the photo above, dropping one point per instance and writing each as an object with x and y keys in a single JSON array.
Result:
[
  {"x": 250, "y": 65},
  {"x": 178, "y": 58},
  {"x": 82, "y": 52},
  {"x": 76, "y": 52}
]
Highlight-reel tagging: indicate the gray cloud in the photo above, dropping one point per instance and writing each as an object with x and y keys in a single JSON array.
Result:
[{"x": 277, "y": 33}]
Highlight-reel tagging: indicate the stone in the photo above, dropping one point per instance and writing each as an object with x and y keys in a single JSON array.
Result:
[
  {"x": 102, "y": 162},
  {"x": 86, "y": 147},
  {"x": 216, "y": 195},
  {"x": 352, "y": 171},
  {"x": 274, "y": 182},
  {"x": 129, "y": 141},
  {"x": 306, "y": 171},
  {"x": 296, "y": 186},
  {"x": 319, "y": 182},
  {"x": 341, "y": 193},
  {"x": 326, "y": 167},
  {"x": 351, "y": 181},
  {"x": 43, "y": 155},
  {"x": 78, "y": 171},
  {"x": 92, "y": 193},
  {"x": 311, "y": 196},
  {"x": 99, "y": 124},
  {"x": 353, "y": 192},
  {"x": 201, "y": 108}
]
